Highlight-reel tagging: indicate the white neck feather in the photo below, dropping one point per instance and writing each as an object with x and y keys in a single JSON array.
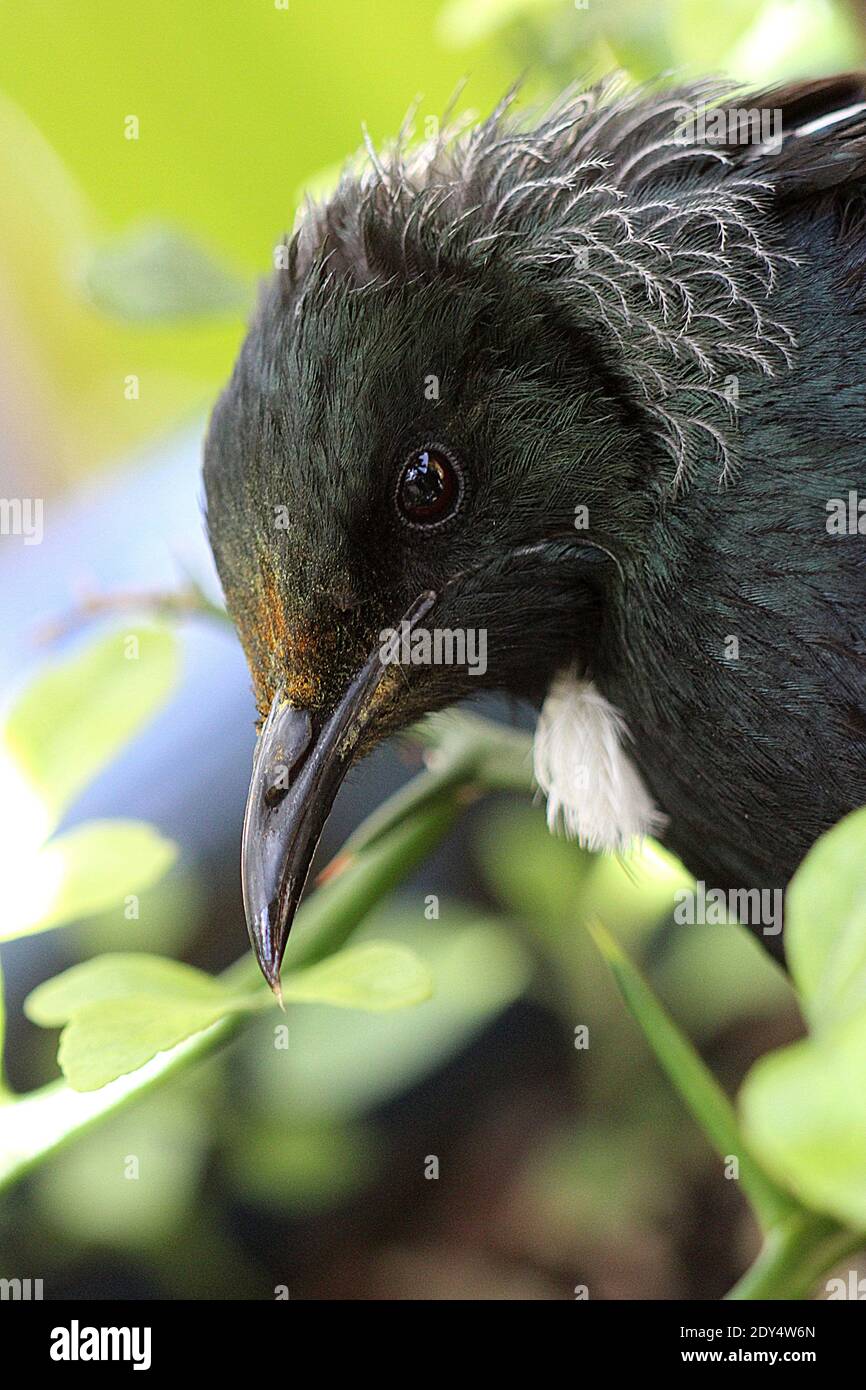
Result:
[{"x": 581, "y": 765}]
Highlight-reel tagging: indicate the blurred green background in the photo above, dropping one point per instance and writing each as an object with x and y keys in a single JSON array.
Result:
[{"x": 308, "y": 1167}]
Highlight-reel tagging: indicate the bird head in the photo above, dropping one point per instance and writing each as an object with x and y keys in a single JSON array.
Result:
[{"x": 432, "y": 468}]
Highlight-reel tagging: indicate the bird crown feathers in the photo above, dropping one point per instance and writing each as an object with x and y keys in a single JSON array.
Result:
[{"x": 662, "y": 245}]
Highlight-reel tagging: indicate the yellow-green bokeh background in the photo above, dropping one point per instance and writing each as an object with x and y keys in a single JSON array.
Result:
[{"x": 241, "y": 103}]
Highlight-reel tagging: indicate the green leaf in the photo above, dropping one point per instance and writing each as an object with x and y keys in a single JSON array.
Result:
[
  {"x": 104, "y": 1041},
  {"x": 72, "y": 720},
  {"x": 378, "y": 975},
  {"x": 119, "y": 975},
  {"x": 693, "y": 1079},
  {"x": 825, "y": 923},
  {"x": 154, "y": 273},
  {"x": 803, "y": 1111},
  {"x": 90, "y": 869},
  {"x": 121, "y": 1010}
]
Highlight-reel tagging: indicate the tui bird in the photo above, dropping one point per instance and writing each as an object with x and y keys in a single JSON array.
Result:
[{"x": 594, "y": 388}]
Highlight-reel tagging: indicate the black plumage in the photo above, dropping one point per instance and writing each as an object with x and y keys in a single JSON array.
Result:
[{"x": 588, "y": 312}]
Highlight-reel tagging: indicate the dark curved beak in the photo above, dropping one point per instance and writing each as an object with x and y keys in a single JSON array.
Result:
[{"x": 297, "y": 771}]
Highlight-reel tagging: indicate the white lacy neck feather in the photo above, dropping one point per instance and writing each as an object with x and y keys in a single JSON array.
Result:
[{"x": 592, "y": 786}]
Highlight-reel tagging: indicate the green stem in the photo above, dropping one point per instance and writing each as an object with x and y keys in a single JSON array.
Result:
[
  {"x": 169, "y": 604},
  {"x": 695, "y": 1082},
  {"x": 437, "y": 786},
  {"x": 794, "y": 1256}
]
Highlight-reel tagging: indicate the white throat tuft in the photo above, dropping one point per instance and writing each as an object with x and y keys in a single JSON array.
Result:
[{"x": 592, "y": 786}]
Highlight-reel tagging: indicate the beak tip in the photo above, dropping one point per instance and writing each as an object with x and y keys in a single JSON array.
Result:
[
  {"x": 270, "y": 968},
  {"x": 268, "y": 947}
]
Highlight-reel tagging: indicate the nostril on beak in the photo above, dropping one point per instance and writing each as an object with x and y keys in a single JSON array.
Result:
[
  {"x": 291, "y": 740},
  {"x": 284, "y": 743}
]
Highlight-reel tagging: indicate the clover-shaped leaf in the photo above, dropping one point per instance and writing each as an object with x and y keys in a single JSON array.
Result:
[{"x": 119, "y": 1010}]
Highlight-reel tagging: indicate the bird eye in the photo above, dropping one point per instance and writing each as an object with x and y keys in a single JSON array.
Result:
[{"x": 430, "y": 488}]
